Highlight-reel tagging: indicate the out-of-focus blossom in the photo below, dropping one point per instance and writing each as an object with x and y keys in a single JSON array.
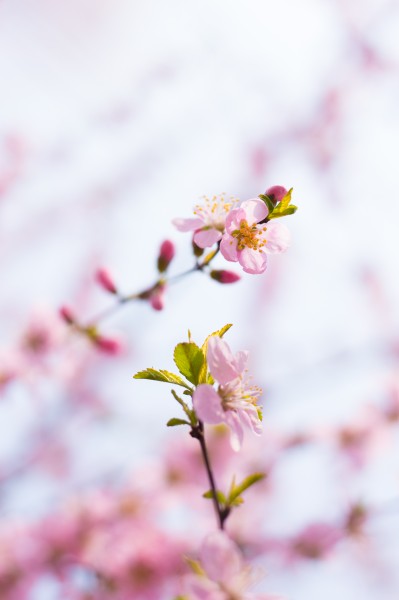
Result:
[
  {"x": 105, "y": 280},
  {"x": 209, "y": 224},
  {"x": 235, "y": 401},
  {"x": 224, "y": 575},
  {"x": 166, "y": 255},
  {"x": 316, "y": 541},
  {"x": 248, "y": 239},
  {"x": 223, "y": 276}
]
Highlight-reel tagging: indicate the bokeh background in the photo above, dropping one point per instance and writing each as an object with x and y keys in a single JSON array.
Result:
[{"x": 117, "y": 117}]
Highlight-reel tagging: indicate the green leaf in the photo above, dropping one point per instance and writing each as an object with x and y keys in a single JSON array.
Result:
[
  {"x": 161, "y": 375},
  {"x": 220, "y": 497},
  {"x": 173, "y": 422},
  {"x": 195, "y": 566},
  {"x": 189, "y": 359},
  {"x": 268, "y": 201},
  {"x": 237, "y": 490},
  {"x": 189, "y": 412},
  {"x": 204, "y": 376},
  {"x": 284, "y": 208}
]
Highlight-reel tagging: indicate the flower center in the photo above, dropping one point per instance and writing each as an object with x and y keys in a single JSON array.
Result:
[
  {"x": 249, "y": 236},
  {"x": 214, "y": 210}
]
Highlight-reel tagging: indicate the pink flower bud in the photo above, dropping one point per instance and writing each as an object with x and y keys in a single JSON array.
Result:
[
  {"x": 276, "y": 193},
  {"x": 108, "y": 345},
  {"x": 166, "y": 255},
  {"x": 225, "y": 276},
  {"x": 157, "y": 297},
  {"x": 104, "y": 278},
  {"x": 67, "y": 315}
]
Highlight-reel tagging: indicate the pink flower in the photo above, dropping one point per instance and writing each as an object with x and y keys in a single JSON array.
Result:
[
  {"x": 248, "y": 240},
  {"x": 234, "y": 403},
  {"x": 316, "y": 541},
  {"x": 209, "y": 223},
  {"x": 225, "y": 574}
]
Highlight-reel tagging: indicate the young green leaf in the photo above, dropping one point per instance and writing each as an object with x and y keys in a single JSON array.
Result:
[
  {"x": 189, "y": 359},
  {"x": 269, "y": 203},
  {"x": 161, "y": 375},
  {"x": 220, "y": 497},
  {"x": 173, "y": 422},
  {"x": 237, "y": 490},
  {"x": 195, "y": 566},
  {"x": 284, "y": 208}
]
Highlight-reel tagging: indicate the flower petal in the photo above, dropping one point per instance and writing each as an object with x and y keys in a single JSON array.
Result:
[
  {"x": 278, "y": 238},
  {"x": 234, "y": 218},
  {"x": 255, "y": 210},
  {"x": 187, "y": 224},
  {"x": 220, "y": 557},
  {"x": 251, "y": 418},
  {"x": 207, "y": 237},
  {"x": 200, "y": 588},
  {"x": 228, "y": 247},
  {"x": 207, "y": 404},
  {"x": 232, "y": 420},
  {"x": 252, "y": 261},
  {"x": 221, "y": 361}
]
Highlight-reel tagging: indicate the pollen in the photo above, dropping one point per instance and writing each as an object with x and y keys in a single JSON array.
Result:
[{"x": 249, "y": 236}]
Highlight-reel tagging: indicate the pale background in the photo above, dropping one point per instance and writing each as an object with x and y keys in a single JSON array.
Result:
[{"x": 115, "y": 117}]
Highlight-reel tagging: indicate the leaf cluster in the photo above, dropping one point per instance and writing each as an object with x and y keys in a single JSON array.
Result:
[
  {"x": 234, "y": 496},
  {"x": 191, "y": 363},
  {"x": 282, "y": 208}
]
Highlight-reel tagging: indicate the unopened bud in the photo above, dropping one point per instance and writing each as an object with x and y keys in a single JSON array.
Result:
[
  {"x": 225, "y": 276},
  {"x": 166, "y": 255},
  {"x": 108, "y": 345},
  {"x": 67, "y": 315},
  {"x": 104, "y": 278},
  {"x": 197, "y": 250},
  {"x": 157, "y": 298},
  {"x": 276, "y": 193}
]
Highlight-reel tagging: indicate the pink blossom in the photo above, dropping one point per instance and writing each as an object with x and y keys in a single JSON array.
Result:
[
  {"x": 209, "y": 223},
  {"x": 157, "y": 297},
  {"x": 234, "y": 402},
  {"x": 225, "y": 574},
  {"x": 316, "y": 541},
  {"x": 248, "y": 239}
]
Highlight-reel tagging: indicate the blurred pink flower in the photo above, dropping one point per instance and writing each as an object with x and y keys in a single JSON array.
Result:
[
  {"x": 248, "y": 240},
  {"x": 234, "y": 403},
  {"x": 225, "y": 574},
  {"x": 209, "y": 223},
  {"x": 316, "y": 541}
]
